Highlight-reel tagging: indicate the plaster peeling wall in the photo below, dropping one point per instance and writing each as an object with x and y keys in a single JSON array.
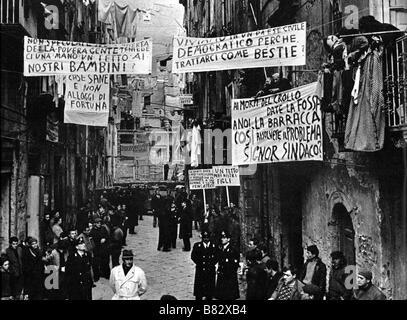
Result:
[{"x": 359, "y": 192}]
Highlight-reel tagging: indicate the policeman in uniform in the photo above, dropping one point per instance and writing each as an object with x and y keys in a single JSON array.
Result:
[
  {"x": 78, "y": 273},
  {"x": 227, "y": 286},
  {"x": 204, "y": 256}
]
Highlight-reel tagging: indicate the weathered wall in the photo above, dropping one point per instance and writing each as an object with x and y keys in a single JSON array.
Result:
[{"x": 374, "y": 210}]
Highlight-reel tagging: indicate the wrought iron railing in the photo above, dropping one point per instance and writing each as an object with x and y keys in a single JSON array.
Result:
[
  {"x": 395, "y": 85},
  {"x": 9, "y": 11}
]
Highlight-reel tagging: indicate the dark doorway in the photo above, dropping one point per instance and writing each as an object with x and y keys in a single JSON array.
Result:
[
  {"x": 292, "y": 187},
  {"x": 345, "y": 234}
]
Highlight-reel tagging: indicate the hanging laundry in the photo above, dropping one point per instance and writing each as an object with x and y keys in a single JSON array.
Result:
[
  {"x": 60, "y": 80},
  {"x": 366, "y": 121},
  {"x": 320, "y": 85},
  {"x": 86, "y": 2},
  {"x": 122, "y": 13},
  {"x": 79, "y": 12},
  {"x": 195, "y": 144},
  {"x": 339, "y": 69}
]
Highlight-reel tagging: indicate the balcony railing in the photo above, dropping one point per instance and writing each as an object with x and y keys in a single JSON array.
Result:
[
  {"x": 394, "y": 92},
  {"x": 10, "y": 11},
  {"x": 395, "y": 85}
]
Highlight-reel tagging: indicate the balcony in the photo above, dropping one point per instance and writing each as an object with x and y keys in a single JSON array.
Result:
[
  {"x": 10, "y": 11},
  {"x": 395, "y": 86},
  {"x": 19, "y": 18},
  {"x": 395, "y": 97}
]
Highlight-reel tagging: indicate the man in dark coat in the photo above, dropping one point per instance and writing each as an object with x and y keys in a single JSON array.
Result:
[
  {"x": 336, "y": 287},
  {"x": 185, "y": 229},
  {"x": 100, "y": 237},
  {"x": 196, "y": 211},
  {"x": 204, "y": 256},
  {"x": 314, "y": 271},
  {"x": 163, "y": 215},
  {"x": 256, "y": 276},
  {"x": 6, "y": 293},
  {"x": 173, "y": 224},
  {"x": 116, "y": 239},
  {"x": 366, "y": 289},
  {"x": 47, "y": 235},
  {"x": 78, "y": 273},
  {"x": 156, "y": 206},
  {"x": 233, "y": 226},
  {"x": 15, "y": 256},
  {"x": 71, "y": 240},
  {"x": 33, "y": 269},
  {"x": 274, "y": 276},
  {"x": 227, "y": 285},
  {"x": 133, "y": 205}
]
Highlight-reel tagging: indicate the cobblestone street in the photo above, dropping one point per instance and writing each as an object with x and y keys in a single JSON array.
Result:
[{"x": 167, "y": 272}]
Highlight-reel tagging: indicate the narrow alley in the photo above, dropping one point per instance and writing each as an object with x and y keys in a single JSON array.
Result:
[{"x": 167, "y": 272}]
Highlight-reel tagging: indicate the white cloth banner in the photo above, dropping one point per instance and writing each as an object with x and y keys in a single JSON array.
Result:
[
  {"x": 280, "y": 127},
  {"x": 51, "y": 57},
  {"x": 171, "y": 101},
  {"x": 279, "y": 46},
  {"x": 201, "y": 179},
  {"x": 87, "y": 100},
  {"x": 226, "y": 176}
]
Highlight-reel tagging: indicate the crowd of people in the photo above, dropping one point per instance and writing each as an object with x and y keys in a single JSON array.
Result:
[
  {"x": 72, "y": 258},
  {"x": 189, "y": 213},
  {"x": 218, "y": 267}
]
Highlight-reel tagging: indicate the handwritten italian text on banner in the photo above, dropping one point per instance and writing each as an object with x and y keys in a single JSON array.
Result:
[
  {"x": 279, "y": 46},
  {"x": 51, "y": 57},
  {"x": 226, "y": 176},
  {"x": 87, "y": 99},
  {"x": 277, "y": 128},
  {"x": 201, "y": 179}
]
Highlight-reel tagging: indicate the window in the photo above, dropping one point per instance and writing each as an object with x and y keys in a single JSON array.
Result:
[{"x": 126, "y": 138}]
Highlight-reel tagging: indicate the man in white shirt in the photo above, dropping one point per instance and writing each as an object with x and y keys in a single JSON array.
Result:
[{"x": 127, "y": 281}]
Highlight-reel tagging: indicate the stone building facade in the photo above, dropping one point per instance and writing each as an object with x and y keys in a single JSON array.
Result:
[
  {"x": 352, "y": 201},
  {"x": 46, "y": 164}
]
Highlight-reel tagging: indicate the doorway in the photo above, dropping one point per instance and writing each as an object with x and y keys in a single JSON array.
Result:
[
  {"x": 345, "y": 234},
  {"x": 291, "y": 187}
]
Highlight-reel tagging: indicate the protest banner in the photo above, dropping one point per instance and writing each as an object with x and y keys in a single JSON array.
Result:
[
  {"x": 201, "y": 179},
  {"x": 171, "y": 101},
  {"x": 186, "y": 99},
  {"x": 226, "y": 176},
  {"x": 279, "y": 46},
  {"x": 136, "y": 151},
  {"x": 281, "y": 127},
  {"x": 87, "y": 100},
  {"x": 51, "y": 57}
]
